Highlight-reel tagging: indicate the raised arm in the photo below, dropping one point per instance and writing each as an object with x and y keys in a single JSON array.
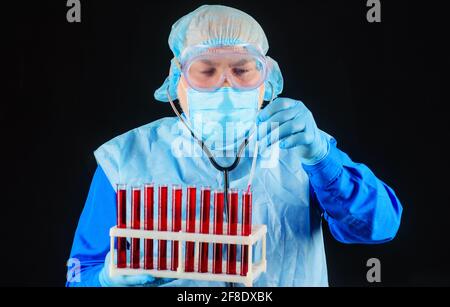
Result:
[{"x": 358, "y": 206}]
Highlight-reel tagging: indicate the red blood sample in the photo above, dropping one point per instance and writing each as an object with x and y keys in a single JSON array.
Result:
[
  {"x": 205, "y": 200},
  {"x": 190, "y": 227},
  {"x": 135, "y": 224},
  {"x": 162, "y": 226},
  {"x": 148, "y": 225},
  {"x": 246, "y": 229},
  {"x": 121, "y": 198},
  {"x": 218, "y": 230},
  {"x": 176, "y": 222},
  {"x": 232, "y": 229}
]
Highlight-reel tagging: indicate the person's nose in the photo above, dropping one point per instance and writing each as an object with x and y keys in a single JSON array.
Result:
[{"x": 226, "y": 83}]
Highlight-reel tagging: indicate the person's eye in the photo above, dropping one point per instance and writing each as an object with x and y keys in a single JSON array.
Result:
[
  {"x": 240, "y": 71},
  {"x": 208, "y": 72}
]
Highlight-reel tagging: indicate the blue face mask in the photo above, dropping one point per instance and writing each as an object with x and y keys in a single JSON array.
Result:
[{"x": 223, "y": 118}]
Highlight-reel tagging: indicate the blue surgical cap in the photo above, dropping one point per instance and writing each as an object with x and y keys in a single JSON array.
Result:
[{"x": 217, "y": 25}]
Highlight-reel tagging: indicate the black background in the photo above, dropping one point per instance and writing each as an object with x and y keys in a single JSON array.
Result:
[{"x": 377, "y": 88}]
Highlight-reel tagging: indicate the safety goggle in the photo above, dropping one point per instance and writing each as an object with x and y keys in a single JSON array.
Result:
[{"x": 208, "y": 69}]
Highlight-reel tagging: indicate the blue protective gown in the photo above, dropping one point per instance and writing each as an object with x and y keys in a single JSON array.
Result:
[{"x": 290, "y": 199}]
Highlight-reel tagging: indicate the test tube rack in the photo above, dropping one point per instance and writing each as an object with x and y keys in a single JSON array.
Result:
[{"x": 258, "y": 233}]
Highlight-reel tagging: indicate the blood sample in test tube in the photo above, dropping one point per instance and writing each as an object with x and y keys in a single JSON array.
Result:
[
  {"x": 190, "y": 227},
  {"x": 176, "y": 222},
  {"x": 148, "y": 225},
  {"x": 246, "y": 229},
  {"x": 135, "y": 224},
  {"x": 162, "y": 226},
  {"x": 233, "y": 200},
  {"x": 218, "y": 230},
  {"x": 121, "y": 200},
  {"x": 205, "y": 202}
]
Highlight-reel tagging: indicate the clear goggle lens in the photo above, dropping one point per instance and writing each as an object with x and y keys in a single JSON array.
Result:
[{"x": 209, "y": 72}]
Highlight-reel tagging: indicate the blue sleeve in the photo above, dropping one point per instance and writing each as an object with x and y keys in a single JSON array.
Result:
[
  {"x": 358, "y": 207},
  {"x": 91, "y": 242}
]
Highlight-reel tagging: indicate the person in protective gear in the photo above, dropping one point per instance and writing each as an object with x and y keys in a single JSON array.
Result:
[{"x": 221, "y": 75}]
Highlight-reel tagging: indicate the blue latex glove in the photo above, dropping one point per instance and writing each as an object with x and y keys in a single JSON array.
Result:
[
  {"x": 127, "y": 281},
  {"x": 296, "y": 127}
]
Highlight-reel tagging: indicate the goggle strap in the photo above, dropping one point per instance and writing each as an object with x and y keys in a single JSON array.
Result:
[{"x": 177, "y": 63}]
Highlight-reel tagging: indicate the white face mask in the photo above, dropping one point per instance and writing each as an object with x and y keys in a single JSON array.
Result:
[{"x": 223, "y": 118}]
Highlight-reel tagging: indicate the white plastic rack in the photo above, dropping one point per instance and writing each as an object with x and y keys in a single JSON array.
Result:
[{"x": 254, "y": 269}]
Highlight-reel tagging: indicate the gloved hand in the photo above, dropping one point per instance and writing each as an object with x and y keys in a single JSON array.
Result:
[
  {"x": 296, "y": 128},
  {"x": 127, "y": 281}
]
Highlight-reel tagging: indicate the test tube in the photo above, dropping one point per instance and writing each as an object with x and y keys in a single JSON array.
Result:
[
  {"x": 162, "y": 226},
  {"x": 246, "y": 229},
  {"x": 233, "y": 199},
  {"x": 176, "y": 222},
  {"x": 148, "y": 225},
  {"x": 190, "y": 227},
  {"x": 218, "y": 230},
  {"x": 135, "y": 224},
  {"x": 121, "y": 200},
  {"x": 205, "y": 200}
]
